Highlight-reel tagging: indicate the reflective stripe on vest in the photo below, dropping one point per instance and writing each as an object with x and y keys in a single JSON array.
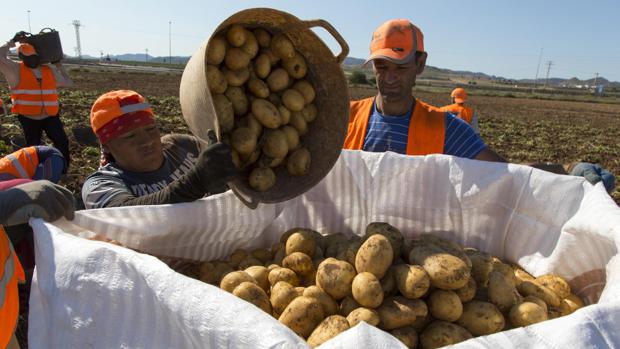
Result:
[
  {"x": 130, "y": 108},
  {"x": 12, "y": 273},
  {"x": 426, "y": 129},
  {"x": 464, "y": 112},
  {"x": 21, "y": 164},
  {"x": 31, "y": 97}
]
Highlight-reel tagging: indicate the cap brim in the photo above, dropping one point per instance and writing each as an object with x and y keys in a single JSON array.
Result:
[
  {"x": 459, "y": 100},
  {"x": 392, "y": 56}
]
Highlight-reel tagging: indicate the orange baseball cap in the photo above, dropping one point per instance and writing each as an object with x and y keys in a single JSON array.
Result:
[
  {"x": 26, "y": 50},
  {"x": 396, "y": 40},
  {"x": 118, "y": 112},
  {"x": 459, "y": 95}
]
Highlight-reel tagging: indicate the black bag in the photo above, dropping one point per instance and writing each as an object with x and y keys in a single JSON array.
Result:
[{"x": 47, "y": 44}]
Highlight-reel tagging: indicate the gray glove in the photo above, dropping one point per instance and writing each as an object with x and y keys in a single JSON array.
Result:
[{"x": 38, "y": 199}]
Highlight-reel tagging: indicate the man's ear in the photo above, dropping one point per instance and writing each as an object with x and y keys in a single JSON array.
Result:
[{"x": 421, "y": 63}]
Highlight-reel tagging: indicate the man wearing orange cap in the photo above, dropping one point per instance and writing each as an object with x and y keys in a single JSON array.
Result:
[
  {"x": 34, "y": 95},
  {"x": 144, "y": 169},
  {"x": 458, "y": 108},
  {"x": 394, "y": 120}
]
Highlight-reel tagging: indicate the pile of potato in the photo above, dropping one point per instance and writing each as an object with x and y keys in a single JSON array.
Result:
[
  {"x": 264, "y": 103},
  {"x": 428, "y": 291}
]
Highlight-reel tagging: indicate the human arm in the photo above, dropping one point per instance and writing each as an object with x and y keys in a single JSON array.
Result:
[
  {"x": 461, "y": 140},
  {"x": 8, "y": 67},
  {"x": 62, "y": 77},
  {"x": 37, "y": 199},
  {"x": 51, "y": 164}
]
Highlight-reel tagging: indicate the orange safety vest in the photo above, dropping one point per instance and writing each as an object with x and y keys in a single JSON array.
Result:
[
  {"x": 11, "y": 272},
  {"x": 21, "y": 164},
  {"x": 30, "y": 97},
  {"x": 427, "y": 129},
  {"x": 464, "y": 112}
]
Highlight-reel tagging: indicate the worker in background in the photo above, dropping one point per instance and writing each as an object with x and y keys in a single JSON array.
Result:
[
  {"x": 34, "y": 95},
  {"x": 458, "y": 108},
  {"x": 35, "y": 162},
  {"x": 395, "y": 120},
  {"x": 3, "y": 107},
  {"x": 143, "y": 168},
  {"x": 20, "y": 200}
]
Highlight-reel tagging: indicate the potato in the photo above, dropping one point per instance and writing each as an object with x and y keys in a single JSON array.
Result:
[
  {"x": 250, "y": 122},
  {"x": 505, "y": 269},
  {"x": 248, "y": 159},
  {"x": 250, "y": 46},
  {"x": 236, "y": 58},
  {"x": 556, "y": 284},
  {"x": 248, "y": 262},
  {"x": 526, "y": 313},
  {"x": 329, "y": 328},
  {"x": 251, "y": 292},
  {"x": 237, "y": 257},
  {"x": 262, "y": 37},
  {"x": 522, "y": 275},
  {"x": 243, "y": 140},
  {"x": 366, "y": 290},
  {"x": 390, "y": 232},
  {"x": 216, "y": 80},
  {"x": 407, "y": 335},
  {"x": 388, "y": 283},
  {"x": 412, "y": 281},
  {"x": 309, "y": 112},
  {"x": 236, "y": 159},
  {"x": 278, "y": 80},
  {"x": 347, "y": 305},
  {"x": 268, "y": 161},
  {"x": 445, "y": 305},
  {"x": 266, "y": 113},
  {"x": 335, "y": 277},
  {"x": 533, "y": 288},
  {"x": 309, "y": 279},
  {"x": 358, "y": 315},
  {"x": 285, "y": 114},
  {"x": 224, "y": 111},
  {"x": 236, "y": 77},
  {"x": 261, "y": 275},
  {"x": 299, "y": 123},
  {"x": 446, "y": 246},
  {"x": 482, "y": 265},
  {"x": 293, "y": 100},
  {"x": 302, "y": 315},
  {"x": 236, "y": 35},
  {"x": 330, "y": 307},
  {"x": 299, "y": 290},
  {"x": 283, "y": 274},
  {"x": 234, "y": 279},
  {"x": 399, "y": 311},
  {"x": 481, "y": 318},
  {"x": 306, "y": 90},
  {"x": 374, "y": 256},
  {"x": 275, "y": 144},
  {"x": 574, "y": 302},
  {"x": 536, "y": 300},
  {"x": 346, "y": 252},
  {"x": 333, "y": 239},
  {"x": 440, "y": 333},
  {"x": 467, "y": 292},
  {"x": 239, "y": 100},
  {"x": 262, "y": 66},
  {"x": 272, "y": 57},
  {"x": 296, "y": 66},
  {"x": 282, "y": 294},
  {"x": 282, "y": 46},
  {"x": 421, "y": 322},
  {"x": 502, "y": 291},
  {"x": 212, "y": 272},
  {"x": 262, "y": 178},
  {"x": 445, "y": 271},
  {"x": 262, "y": 254},
  {"x": 298, "y": 262},
  {"x": 258, "y": 88},
  {"x": 216, "y": 50},
  {"x": 300, "y": 240},
  {"x": 298, "y": 163}
]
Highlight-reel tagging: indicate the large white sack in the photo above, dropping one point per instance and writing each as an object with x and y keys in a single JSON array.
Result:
[{"x": 97, "y": 295}]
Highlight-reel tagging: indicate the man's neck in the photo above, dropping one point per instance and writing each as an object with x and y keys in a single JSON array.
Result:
[{"x": 400, "y": 107}]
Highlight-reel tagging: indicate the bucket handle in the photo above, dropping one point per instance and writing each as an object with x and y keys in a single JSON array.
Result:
[
  {"x": 249, "y": 202},
  {"x": 330, "y": 29},
  {"x": 50, "y": 30}
]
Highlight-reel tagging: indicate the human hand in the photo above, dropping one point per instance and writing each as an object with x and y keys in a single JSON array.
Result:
[
  {"x": 594, "y": 173},
  {"x": 38, "y": 199},
  {"x": 214, "y": 166},
  {"x": 19, "y": 36}
]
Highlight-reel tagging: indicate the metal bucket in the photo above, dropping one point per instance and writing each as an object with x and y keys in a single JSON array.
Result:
[
  {"x": 326, "y": 134},
  {"x": 47, "y": 44}
]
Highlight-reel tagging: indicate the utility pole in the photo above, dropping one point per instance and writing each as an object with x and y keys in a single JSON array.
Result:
[
  {"x": 101, "y": 56},
  {"x": 29, "y": 28},
  {"x": 146, "y": 56},
  {"x": 170, "y": 42},
  {"x": 549, "y": 64},
  {"x": 595, "y": 78},
  {"x": 78, "y": 48},
  {"x": 538, "y": 67}
]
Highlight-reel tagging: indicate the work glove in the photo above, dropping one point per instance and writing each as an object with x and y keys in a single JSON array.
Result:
[
  {"x": 594, "y": 173},
  {"x": 214, "y": 166},
  {"x": 38, "y": 199},
  {"x": 19, "y": 36}
]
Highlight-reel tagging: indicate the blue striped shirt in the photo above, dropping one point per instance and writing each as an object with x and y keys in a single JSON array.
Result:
[{"x": 390, "y": 133}]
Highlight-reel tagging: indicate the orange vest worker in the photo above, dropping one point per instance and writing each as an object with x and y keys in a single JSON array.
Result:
[
  {"x": 21, "y": 164},
  {"x": 11, "y": 273},
  {"x": 426, "y": 129},
  {"x": 464, "y": 112},
  {"x": 30, "y": 97}
]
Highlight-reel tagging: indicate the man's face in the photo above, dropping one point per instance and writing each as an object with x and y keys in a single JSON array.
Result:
[
  {"x": 31, "y": 61},
  {"x": 395, "y": 81},
  {"x": 138, "y": 150}
]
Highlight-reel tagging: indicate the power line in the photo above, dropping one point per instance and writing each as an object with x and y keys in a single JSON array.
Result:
[
  {"x": 538, "y": 67},
  {"x": 549, "y": 64}
]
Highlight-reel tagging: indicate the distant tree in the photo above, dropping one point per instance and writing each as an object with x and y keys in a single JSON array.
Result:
[{"x": 358, "y": 77}]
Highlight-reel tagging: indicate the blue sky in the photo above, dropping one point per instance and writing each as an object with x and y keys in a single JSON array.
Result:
[{"x": 495, "y": 37}]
